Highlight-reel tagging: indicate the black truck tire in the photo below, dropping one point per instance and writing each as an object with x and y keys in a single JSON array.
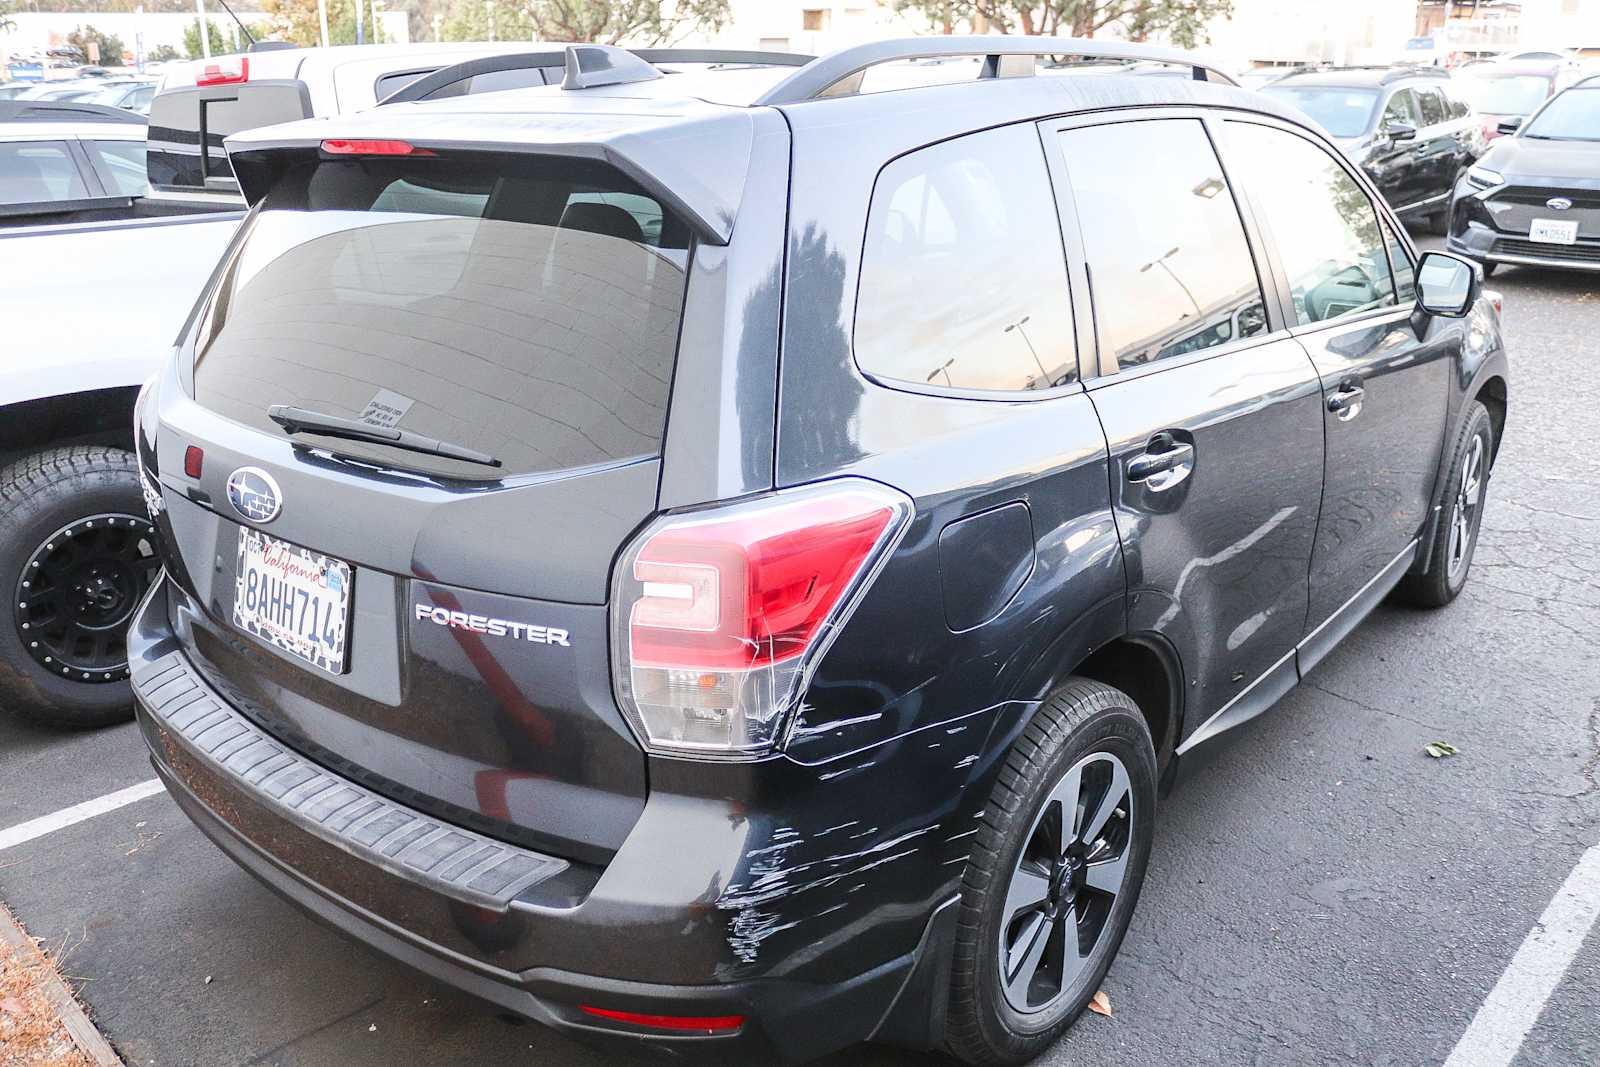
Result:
[{"x": 77, "y": 555}]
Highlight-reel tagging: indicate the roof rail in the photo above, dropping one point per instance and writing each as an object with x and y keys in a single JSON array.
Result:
[
  {"x": 555, "y": 58},
  {"x": 839, "y": 73},
  {"x": 64, "y": 111}
]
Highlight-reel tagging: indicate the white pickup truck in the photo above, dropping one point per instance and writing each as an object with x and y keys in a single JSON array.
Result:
[{"x": 88, "y": 309}]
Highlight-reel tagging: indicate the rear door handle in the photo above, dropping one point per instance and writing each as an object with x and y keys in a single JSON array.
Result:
[
  {"x": 1346, "y": 401},
  {"x": 1166, "y": 462}
]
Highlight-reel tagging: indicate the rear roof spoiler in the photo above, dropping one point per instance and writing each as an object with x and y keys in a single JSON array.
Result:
[{"x": 690, "y": 155}]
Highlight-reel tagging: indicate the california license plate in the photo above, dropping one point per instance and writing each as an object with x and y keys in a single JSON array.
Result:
[
  {"x": 1552, "y": 232},
  {"x": 293, "y": 598}
]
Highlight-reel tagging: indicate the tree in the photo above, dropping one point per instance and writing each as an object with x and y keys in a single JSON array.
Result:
[
  {"x": 191, "y": 40},
  {"x": 92, "y": 42},
  {"x": 1184, "y": 21},
  {"x": 7, "y": 23},
  {"x": 639, "y": 22},
  {"x": 164, "y": 53},
  {"x": 297, "y": 21}
]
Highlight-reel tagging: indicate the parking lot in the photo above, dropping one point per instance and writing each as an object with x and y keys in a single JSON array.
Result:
[{"x": 1325, "y": 893}]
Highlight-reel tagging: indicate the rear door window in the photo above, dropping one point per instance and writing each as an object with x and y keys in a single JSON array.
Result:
[
  {"x": 514, "y": 305},
  {"x": 1169, "y": 266},
  {"x": 34, "y": 172},
  {"x": 963, "y": 278},
  {"x": 1325, "y": 228}
]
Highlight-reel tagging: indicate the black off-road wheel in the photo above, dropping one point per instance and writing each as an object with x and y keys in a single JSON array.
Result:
[
  {"x": 77, "y": 555},
  {"x": 1054, "y": 875},
  {"x": 1455, "y": 537}
]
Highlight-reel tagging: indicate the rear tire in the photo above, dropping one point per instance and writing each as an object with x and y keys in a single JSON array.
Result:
[
  {"x": 77, "y": 546},
  {"x": 1041, "y": 922},
  {"x": 1455, "y": 537}
]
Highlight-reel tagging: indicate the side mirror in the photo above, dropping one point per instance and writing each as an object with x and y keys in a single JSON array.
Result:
[
  {"x": 1401, "y": 131},
  {"x": 1447, "y": 285},
  {"x": 1511, "y": 125}
]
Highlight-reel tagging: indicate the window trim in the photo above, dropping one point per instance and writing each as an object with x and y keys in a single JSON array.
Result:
[
  {"x": 1093, "y": 370},
  {"x": 1383, "y": 212},
  {"x": 1005, "y": 396},
  {"x": 102, "y": 169}
]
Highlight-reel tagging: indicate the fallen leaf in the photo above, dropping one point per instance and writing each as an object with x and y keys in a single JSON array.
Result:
[
  {"x": 1100, "y": 1004},
  {"x": 1440, "y": 749},
  {"x": 12, "y": 1006}
]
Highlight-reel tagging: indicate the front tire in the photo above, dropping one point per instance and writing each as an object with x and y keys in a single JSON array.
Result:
[
  {"x": 1054, "y": 875},
  {"x": 77, "y": 554},
  {"x": 1455, "y": 537}
]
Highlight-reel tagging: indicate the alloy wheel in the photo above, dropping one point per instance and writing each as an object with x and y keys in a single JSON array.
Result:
[
  {"x": 1463, "y": 514},
  {"x": 78, "y": 591},
  {"x": 1072, "y": 867}
]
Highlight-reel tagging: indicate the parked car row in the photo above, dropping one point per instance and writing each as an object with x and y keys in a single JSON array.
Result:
[
  {"x": 1534, "y": 197},
  {"x": 1407, "y": 127}
]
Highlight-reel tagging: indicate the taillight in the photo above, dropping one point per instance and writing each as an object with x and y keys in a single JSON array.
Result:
[
  {"x": 347, "y": 147},
  {"x": 229, "y": 70},
  {"x": 719, "y": 616}
]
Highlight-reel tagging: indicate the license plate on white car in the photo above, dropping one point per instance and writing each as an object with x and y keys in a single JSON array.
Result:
[
  {"x": 293, "y": 598},
  {"x": 1552, "y": 232}
]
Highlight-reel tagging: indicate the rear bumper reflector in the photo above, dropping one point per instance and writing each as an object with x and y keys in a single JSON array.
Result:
[{"x": 700, "y": 1024}]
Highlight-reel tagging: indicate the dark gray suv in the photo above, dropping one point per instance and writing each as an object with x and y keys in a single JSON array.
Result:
[{"x": 727, "y": 560}]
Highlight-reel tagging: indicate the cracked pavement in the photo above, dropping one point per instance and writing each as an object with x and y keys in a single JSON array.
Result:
[{"x": 1322, "y": 893}]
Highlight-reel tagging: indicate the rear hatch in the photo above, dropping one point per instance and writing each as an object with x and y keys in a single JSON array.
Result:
[{"x": 429, "y": 395}]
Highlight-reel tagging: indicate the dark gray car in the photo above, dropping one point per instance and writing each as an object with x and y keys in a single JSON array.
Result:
[{"x": 727, "y": 562}]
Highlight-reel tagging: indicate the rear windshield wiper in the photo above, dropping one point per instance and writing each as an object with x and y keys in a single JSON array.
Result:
[{"x": 300, "y": 420}]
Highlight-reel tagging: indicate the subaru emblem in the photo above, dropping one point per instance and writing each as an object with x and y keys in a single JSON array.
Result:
[
  {"x": 1558, "y": 203},
  {"x": 254, "y": 494}
]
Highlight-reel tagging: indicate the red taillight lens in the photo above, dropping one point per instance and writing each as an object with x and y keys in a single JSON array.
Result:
[
  {"x": 193, "y": 461},
  {"x": 345, "y": 147},
  {"x": 705, "y": 1024},
  {"x": 226, "y": 71},
  {"x": 718, "y": 616}
]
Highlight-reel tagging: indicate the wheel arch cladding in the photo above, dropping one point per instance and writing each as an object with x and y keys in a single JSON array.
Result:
[{"x": 1492, "y": 395}]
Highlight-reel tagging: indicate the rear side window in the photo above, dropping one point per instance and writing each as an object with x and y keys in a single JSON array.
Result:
[
  {"x": 1169, "y": 266},
  {"x": 124, "y": 162},
  {"x": 491, "y": 81},
  {"x": 1325, "y": 228},
  {"x": 963, "y": 278},
  {"x": 34, "y": 172},
  {"x": 501, "y": 303},
  {"x": 187, "y": 127}
]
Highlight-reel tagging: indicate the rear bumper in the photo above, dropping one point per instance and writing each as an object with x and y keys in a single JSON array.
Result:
[{"x": 530, "y": 934}]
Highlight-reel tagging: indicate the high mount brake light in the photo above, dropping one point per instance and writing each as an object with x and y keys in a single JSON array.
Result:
[
  {"x": 225, "y": 72},
  {"x": 344, "y": 147},
  {"x": 719, "y": 616}
]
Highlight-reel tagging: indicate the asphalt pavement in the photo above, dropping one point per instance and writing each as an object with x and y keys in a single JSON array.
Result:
[{"x": 1325, "y": 893}]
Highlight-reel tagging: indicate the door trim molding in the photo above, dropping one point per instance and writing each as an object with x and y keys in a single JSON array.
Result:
[
  {"x": 1256, "y": 697},
  {"x": 1319, "y": 642},
  {"x": 1284, "y": 675}
]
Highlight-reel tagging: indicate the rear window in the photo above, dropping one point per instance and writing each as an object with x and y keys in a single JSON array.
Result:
[
  {"x": 523, "y": 307},
  {"x": 184, "y": 120}
]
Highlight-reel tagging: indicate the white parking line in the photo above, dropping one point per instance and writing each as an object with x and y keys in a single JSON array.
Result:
[
  {"x": 1515, "y": 1002},
  {"x": 48, "y": 824}
]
